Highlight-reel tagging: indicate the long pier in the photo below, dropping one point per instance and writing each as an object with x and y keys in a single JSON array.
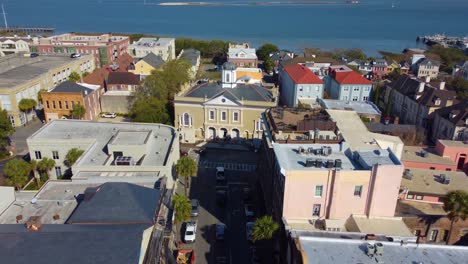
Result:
[
  {"x": 29, "y": 30},
  {"x": 255, "y": 3}
]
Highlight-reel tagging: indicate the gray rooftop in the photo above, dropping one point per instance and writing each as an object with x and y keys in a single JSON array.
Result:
[
  {"x": 329, "y": 250},
  {"x": 241, "y": 92},
  {"x": 117, "y": 202},
  {"x": 71, "y": 87},
  {"x": 154, "y": 60},
  {"x": 151, "y": 42},
  {"x": 16, "y": 69},
  {"x": 426, "y": 181},
  {"x": 130, "y": 137},
  {"x": 369, "y": 158},
  {"x": 95, "y": 136},
  {"x": 72, "y": 244},
  {"x": 190, "y": 55},
  {"x": 358, "y": 107}
]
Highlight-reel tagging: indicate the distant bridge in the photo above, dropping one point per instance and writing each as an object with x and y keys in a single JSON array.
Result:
[{"x": 28, "y": 30}]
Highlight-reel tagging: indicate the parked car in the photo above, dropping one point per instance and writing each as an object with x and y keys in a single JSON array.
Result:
[
  {"x": 220, "y": 174},
  {"x": 190, "y": 232},
  {"x": 34, "y": 55},
  {"x": 221, "y": 197},
  {"x": 195, "y": 205},
  {"x": 75, "y": 55},
  {"x": 109, "y": 115},
  {"x": 220, "y": 231},
  {"x": 249, "y": 210},
  {"x": 249, "y": 230}
]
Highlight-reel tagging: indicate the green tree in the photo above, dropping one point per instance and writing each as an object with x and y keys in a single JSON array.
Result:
[
  {"x": 26, "y": 105},
  {"x": 264, "y": 51},
  {"x": 17, "y": 172},
  {"x": 461, "y": 86},
  {"x": 150, "y": 110},
  {"x": 72, "y": 156},
  {"x": 449, "y": 56},
  {"x": 78, "y": 111},
  {"x": 186, "y": 167},
  {"x": 33, "y": 164},
  {"x": 264, "y": 228},
  {"x": 268, "y": 64},
  {"x": 353, "y": 54},
  {"x": 6, "y": 129},
  {"x": 74, "y": 77},
  {"x": 456, "y": 205},
  {"x": 45, "y": 165},
  {"x": 182, "y": 208}
]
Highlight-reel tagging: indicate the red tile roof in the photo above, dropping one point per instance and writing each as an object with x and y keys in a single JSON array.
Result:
[
  {"x": 100, "y": 75},
  {"x": 350, "y": 77},
  {"x": 301, "y": 74}
]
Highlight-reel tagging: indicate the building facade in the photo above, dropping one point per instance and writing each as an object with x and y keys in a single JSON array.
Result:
[
  {"x": 146, "y": 65},
  {"x": 23, "y": 77},
  {"x": 347, "y": 85},
  {"x": 12, "y": 45},
  {"x": 163, "y": 47},
  {"x": 426, "y": 68},
  {"x": 105, "y": 48},
  {"x": 226, "y": 110},
  {"x": 192, "y": 56},
  {"x": 60, "y": 102},
  {"x": 242, "y": 55},
  {"x": 122, "y": 81},
  {"x": 299, "y": 83},
  {"x": 451, "y": 122}
]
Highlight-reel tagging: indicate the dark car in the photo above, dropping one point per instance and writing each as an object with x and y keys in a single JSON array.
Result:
[
  {"x": 34, "y": 55},
  {"x": 195, "y": 205},
  {"x": 75, "y": 55},
  {"x": 221, "y": 197}
]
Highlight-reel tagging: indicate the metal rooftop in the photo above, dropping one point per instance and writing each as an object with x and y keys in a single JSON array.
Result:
[
  {"x": 358, "y": 107},
  {"x": 335, "y": 250},
  {"x": 426, "y": 181}
]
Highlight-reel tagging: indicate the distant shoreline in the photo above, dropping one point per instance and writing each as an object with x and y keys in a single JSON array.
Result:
[{"x": 256, "y": 3}]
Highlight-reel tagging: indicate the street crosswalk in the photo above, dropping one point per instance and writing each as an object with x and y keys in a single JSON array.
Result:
[{"x": 228, "y": 165}]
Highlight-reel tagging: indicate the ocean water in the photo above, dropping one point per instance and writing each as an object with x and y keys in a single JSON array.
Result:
[{"x": 372, "y": 25}]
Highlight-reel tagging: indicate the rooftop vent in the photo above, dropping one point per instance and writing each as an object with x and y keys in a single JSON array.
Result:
[
  {"x": 338, "y": 163},
  {"x": 34, "y": 223},
  {"x": 407, "y": 174},
  {"x": 310, "y": 163},
  {"x": 370, "y": 250},
  {"x": 379, "y": 249},
  {"x": 124, "y": 161},
  {"x": 424, "y": 154},
  {"x": 444, "y": 179}
]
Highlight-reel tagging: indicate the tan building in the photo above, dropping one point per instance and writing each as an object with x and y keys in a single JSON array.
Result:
[
  {"x": 242, "y": 55},
  {"x": 23, "y": 77},
  {"x": 164, "y": 47},
  {"x": 59, "y": 102},
  {"x": 10, "y": 45},
  {"x": 222, "y": 110},
  {"x": 427, "y": 68}
]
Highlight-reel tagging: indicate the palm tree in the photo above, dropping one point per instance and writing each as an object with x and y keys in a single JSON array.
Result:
[
  {"x": 33, "y": 164},
  {"x": 264, "y": 228},
  {"x": 78, "y": 111},
  {"x": 182, "y": 208},
  {"x": 74, "y": 76},
  {"x": 186, "y": 167},
  {"x": 46, "y": 165},
  {"x": 26, "y": 105},
  {"x": 456, "y": 205},
  {"x": 17, "y": 172}
]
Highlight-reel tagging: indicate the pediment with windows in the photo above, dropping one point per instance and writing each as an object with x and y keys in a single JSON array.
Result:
[{"x": 222, "y": 100}]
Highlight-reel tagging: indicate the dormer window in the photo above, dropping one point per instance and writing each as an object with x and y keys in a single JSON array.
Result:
[{"x": 437, "y": 100}]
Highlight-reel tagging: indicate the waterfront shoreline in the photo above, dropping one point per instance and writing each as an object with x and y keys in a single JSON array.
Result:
[{"x": 253, "y": 3}]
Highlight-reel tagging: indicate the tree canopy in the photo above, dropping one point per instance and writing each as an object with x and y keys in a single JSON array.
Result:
[
  {"x": 449, "y": 56},
  {"x": 72, "y": 156},
  {"x": 74, "y": 77},
  {"x": 182, "y": 208},
  {"x": 207, "y": 48},
  {"x": 150, "y": 110},
  {"x": 78, "y": 111},
  {"x": 264, "y": 51},
  {"x": 6, "y": 129},
  {"x": 456, "y": 204},
  {"x": 46, "y": 165},
  {"x": 186, "y": 167},
  {"x": 460, "y": 85},
  {"x": 264, "y": 228},
  {"x": 354, "y": 54},
  {"x": 17, "y": 172},
  {"x": 27, "y": 104}
]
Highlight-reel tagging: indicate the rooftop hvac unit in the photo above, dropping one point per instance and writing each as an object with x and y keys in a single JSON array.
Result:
[
  {"x": 379, "y": 249},
  {"x": 300, "y": 150},
  {"x": 370, "y": 250},
  {"x": 310, "y": 163},
  {"x": 319, "y": 163},
  {"x": 424, "y": 154},
  {"x": 310, "y": 150},
  {"x": 318, "y": 151},
  {"x": 444, "y": 179},
  {"x": 124, "y": 161},
  {"x": 407, "y": 174},
  {"x": 338, "y": 163},
  {"x": 330, "y": 164}
]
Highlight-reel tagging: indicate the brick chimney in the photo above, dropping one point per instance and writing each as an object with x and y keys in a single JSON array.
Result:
[{"x": 442, "y": 85}]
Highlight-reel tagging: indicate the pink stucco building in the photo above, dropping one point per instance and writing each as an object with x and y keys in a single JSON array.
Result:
[{"x": 447, "y": 155}]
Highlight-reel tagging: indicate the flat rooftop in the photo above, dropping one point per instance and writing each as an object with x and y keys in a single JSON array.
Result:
[
  {"x": 152, "y": 42},
  {"x": 96, "y": 136},
  {"x": 16, "y": 69},
  {"x": 388, "y": 226},
  {"x": 131, "y": 137},
  {"x": 289, "y": 158},
  {"x": 454, "y": 143},
  {"x": 426, "y": 181},
  {"x": 54, "y": 198},
  {"x": 335, "y": 250},
  {"x": 299, "y": 119},
  {"x": 408, "y": 208},
  {"x": 356, "y": 133},
  {"x": 413, "y": 154},
  {"x": 358, "y": 107}
]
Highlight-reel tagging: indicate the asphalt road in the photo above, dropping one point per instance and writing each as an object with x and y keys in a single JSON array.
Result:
[{"x": 235, "y": 247}]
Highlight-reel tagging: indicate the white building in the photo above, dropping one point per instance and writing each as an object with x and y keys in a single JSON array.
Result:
[
  {"x": 130, "y": 151},
  {"x": 299, "y": 84},
  {"x": 10, "y": 45},
  {"x": 164, "y": 47}
]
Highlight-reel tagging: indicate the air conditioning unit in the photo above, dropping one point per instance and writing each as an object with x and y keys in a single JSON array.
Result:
[
  {"x": 444, "y": 179},
  {"x": 330, "y": 164},
  {"x": 124, "y": 161},
  {"x": 319, "y": 163},
  {"x": 379, "y": 248},
  {"x": 310, "y": 163},
  {"x": 370, "y": 250},
  {"x": 338, "y": 163},
  {"x": 407, "y": 174}
]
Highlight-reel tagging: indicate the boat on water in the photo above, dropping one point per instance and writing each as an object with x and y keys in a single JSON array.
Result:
[{"x": 352, "y": 2}]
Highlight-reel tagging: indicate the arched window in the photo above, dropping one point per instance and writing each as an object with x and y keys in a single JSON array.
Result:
[{"x": 186, "y": 119}]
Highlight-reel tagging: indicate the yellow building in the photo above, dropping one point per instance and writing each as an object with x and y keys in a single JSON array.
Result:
[
  {"x": 222, "y": 110},
  {"x": 23, "y": 77},
  {"x": 147, "y": 64}
]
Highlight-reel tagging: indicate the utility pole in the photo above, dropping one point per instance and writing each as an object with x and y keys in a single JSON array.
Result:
[{"x": 4, "y": 17}]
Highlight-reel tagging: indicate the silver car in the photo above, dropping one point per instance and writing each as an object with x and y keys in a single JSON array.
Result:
[{"x": 195, "y": 205}]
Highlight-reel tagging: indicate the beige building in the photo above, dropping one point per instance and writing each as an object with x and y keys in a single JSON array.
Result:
[
  {"x": 10, "y": 45},
  {"x": 222, "y": 110},
  {"x": 164, "y": 47},
  {"x": 23, "y": 77},
  {"x": 427, "y": 68}
]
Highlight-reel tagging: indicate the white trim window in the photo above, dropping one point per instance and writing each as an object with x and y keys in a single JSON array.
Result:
[
  {"x": 318, "y": 190},
  {"x": 211, "y": 115},
  {"x": 258, "y": 126},
  {"x": 186, "y": 120},
  {"x": 235, "y": 116},
  {"x": 223, "y": 116}
]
